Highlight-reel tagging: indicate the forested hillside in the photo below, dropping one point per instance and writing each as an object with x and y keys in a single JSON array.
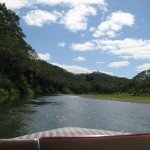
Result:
[{"x": 21, "y": 72}]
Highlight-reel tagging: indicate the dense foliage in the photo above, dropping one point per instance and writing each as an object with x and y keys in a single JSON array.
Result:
[{"x": 21, "y": 72}]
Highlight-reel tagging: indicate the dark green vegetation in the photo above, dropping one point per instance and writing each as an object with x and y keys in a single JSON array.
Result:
[
  {"x": 126, "y": 97},
  {"x": 21, "y": 72}
]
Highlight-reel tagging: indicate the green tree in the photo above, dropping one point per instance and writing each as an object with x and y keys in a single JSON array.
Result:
[{"x": 15, "y": 53}]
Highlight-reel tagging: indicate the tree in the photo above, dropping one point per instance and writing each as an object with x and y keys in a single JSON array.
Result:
[{"x": 15, "y": 53}]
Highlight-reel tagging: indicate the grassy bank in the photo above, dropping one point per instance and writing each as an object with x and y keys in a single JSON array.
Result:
[{"x": 119, "y": 97}]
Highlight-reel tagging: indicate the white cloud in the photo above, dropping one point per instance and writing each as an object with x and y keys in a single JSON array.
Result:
[
  {"x": 40, "y": 17},
  {"x": 92, "y": 29},
  {"x": 62, "y": 44},
  {"x": 127, "y": 48},
  {"x": 73, "y": 3},
  {"x": 76, "y": 18},
  {"x": 79, "y": 59},
  {"x": 143, "y": 67},
  {"x": 78, "y": 69},
  {"x": 118, "y": 64},
  {"x": 17, "y": 4},
  {"x": 82, "y": 47},
  {"x": 106, "y": 72},
  {"x": 45, "y": 56},
  {"x": 138, "y": 49},
  {"x": 82, "y": 35},
  {"x": 113, "y": 24},
  {"x": 74, "y": 69}
]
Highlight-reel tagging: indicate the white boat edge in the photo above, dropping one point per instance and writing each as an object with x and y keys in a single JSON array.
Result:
[{"x": 71, "y": 132}]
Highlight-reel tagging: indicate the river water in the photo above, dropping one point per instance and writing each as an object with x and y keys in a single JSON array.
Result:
[{"x": 50, "y": 112}]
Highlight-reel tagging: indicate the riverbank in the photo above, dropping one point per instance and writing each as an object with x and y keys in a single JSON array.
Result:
[
  {"x": 119, "y": 97},
  {"x": 10, "y": 98}
]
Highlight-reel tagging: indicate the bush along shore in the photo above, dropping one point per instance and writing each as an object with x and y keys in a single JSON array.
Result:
[{"x": 126, "y": 97}]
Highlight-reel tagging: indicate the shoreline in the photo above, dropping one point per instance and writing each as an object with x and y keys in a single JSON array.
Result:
[{"x": 118, "y": 97}]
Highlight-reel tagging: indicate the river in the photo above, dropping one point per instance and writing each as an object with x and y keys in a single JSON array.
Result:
[{"x": 23, "y": 117}]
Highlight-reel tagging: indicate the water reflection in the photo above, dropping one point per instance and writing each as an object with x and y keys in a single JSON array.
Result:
[
  {"x": 12, "y": 117},
  {"x": 36, "y": 103}
]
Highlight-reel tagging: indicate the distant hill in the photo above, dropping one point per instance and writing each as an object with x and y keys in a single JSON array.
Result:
[{"x": 142, "y": 75}]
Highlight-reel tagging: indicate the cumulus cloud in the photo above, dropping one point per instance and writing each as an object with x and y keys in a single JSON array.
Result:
[
  {"x": 18, "y": 4},
  {"x": 106, "y": 72},
  {"x": 40, "y": 17},
  {"x": 74, "y": 69},
  {"x": 118, "y": 64},
  {"x": 45, "y": 56},
  {"x": 79, "y": 59},
  {"x": 127, "y": 48},
  {"x": 92, "y": 29},
  {"x": 82, "y": 35},
  {"x": 78, "y": 69},
  {"x": 74, "y": 3},
  {"x": 113, "y": 24},
  {"x": 71, "y": 3},
  {"x": 76, "y": 18},
  {"x": 62, "y": 44},
  {"x": 143, "y": 67},
  {"x": 83, "y": 47}
]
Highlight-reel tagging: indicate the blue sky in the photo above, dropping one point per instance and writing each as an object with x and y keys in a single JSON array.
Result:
[{"x": 82, "y": 36}]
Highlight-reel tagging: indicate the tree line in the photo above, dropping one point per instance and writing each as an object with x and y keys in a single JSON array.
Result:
[{"x": 21, "y": 72}]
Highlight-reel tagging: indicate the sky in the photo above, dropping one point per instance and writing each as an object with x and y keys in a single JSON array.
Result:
[{"x": 82, "y": 36}]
